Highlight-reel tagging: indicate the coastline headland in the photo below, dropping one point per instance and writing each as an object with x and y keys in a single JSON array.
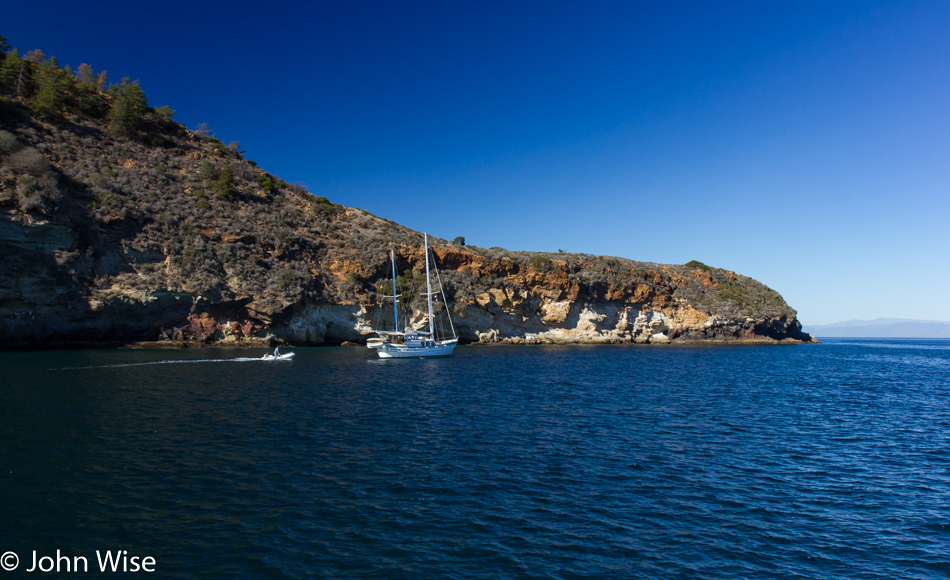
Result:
[{"x": 148, "y": 231}]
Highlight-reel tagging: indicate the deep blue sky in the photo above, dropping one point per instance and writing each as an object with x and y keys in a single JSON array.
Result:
[{"x": 805, "y": 144}]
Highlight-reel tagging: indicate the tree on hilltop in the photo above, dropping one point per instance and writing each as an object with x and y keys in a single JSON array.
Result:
[
  {"x": 4, "y": 45},
  {"x": 85, "y": 75},
  {"x": 52, "y": 83},
  {"x": 15, "y": 74},
  {"x": 128, "y": 108},
  {"x": 35, "y": 56},
  {"x": 9, "y": 69},
  {"x": 86, "y": 92},
  {"x": 165, "y": 112}
]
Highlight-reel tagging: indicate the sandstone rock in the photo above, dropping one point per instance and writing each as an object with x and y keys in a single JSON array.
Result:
[{"x": 555, "y": 312}]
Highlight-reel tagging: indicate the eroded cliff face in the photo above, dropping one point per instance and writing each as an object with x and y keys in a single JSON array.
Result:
[
  {"x": 569, "y": 298},
  {"x": 558, "y": 298},
  {"x": 113, "y": 240}
]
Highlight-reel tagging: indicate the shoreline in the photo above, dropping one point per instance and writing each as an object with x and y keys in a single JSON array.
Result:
[{"x": 271, "y": 343}]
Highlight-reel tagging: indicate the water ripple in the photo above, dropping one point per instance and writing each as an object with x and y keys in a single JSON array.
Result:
[{"x": 552, "y": 462}]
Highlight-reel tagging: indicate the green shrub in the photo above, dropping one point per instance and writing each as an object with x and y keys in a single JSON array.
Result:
[
  {"x": 266, "y": 182},
  {"x": 38, "y": 195},
  {"x": 28, "y": 160},
  {"x": 288, "y": 280},
  {"x": 165, "y": 112},
  {"x": 208, "y": 170},
  {"x": 540, "y": 262},
  {"x": 697, "y": 265},
  {"x": 384, "y": 286},
  {"x": 324, "y": 206},
  {"x": 107, "y": 199},
  {"x": 158, "y": 140},
  {"x": 224, "y": 185},
  {"x": 8, "y": 143}
]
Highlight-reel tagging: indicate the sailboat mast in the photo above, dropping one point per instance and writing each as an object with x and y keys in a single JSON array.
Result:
[
  {"x": 429, "y": 288},
  {"x": 392, "y": 258}
]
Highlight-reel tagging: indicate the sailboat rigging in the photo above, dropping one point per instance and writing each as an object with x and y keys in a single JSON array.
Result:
[{"x": 414, "y": 343}]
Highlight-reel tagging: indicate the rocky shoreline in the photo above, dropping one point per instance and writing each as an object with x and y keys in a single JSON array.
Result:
[{"x": 270, "y": 344}]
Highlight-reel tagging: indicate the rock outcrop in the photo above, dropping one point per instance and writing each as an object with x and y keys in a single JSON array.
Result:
[{"x": 171, "y": 236}]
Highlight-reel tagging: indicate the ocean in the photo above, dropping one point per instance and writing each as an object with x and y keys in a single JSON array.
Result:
[{"x": 615, "y": 461}]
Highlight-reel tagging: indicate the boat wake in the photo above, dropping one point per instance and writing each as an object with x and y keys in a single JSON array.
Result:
[{"x": 169, "y": 362}]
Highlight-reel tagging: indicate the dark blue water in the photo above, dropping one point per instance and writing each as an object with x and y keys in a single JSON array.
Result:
[{"x": 825, "y": 461}]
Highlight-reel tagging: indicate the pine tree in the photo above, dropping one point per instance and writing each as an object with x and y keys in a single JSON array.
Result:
[
  {"x": 223, "y": 185},
  {"x": 15, "y": 74},
  {"x": 165, "y": 112},
  {"x": 9, "y": 69},
  {"x": 85, "y": 75},
  {"x": 87, "y": 97},
  {"x": 128, "y": 108},
  {"x": 35, "y": 56},
  {"x": 49, "y": 102}
]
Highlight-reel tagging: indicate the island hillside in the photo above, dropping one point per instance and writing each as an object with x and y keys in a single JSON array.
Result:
[{"x": 119, "y": 225}]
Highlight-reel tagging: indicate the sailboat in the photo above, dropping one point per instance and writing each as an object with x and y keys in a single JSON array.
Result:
[{"x": 411, "y": 343}]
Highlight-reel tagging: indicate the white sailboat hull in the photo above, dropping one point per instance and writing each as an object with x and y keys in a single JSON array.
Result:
[
  {"x": 413, "y": 343},
  {"x": 388, "y": 350}
]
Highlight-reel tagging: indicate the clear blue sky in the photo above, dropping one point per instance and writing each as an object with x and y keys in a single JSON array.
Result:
[{"x": 805, "y": 144}]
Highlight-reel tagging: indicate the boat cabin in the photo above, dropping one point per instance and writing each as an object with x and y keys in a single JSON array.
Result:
[{"x": 416, "y": 338}]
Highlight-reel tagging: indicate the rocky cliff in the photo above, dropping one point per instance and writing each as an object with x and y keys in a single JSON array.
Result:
[{"x": 169, "y": 235}]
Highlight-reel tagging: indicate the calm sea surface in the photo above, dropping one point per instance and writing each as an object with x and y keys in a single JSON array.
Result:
[{"x": 824, "y": 461}]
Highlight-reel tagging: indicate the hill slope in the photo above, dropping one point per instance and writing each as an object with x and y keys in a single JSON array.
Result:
[{"x": 161, "y": 233}]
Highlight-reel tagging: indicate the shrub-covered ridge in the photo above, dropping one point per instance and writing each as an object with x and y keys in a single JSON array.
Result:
[{"x": 118, "y": 224}]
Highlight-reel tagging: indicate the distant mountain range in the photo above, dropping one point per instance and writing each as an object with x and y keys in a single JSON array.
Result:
[{"x": 881, "y": 328}]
